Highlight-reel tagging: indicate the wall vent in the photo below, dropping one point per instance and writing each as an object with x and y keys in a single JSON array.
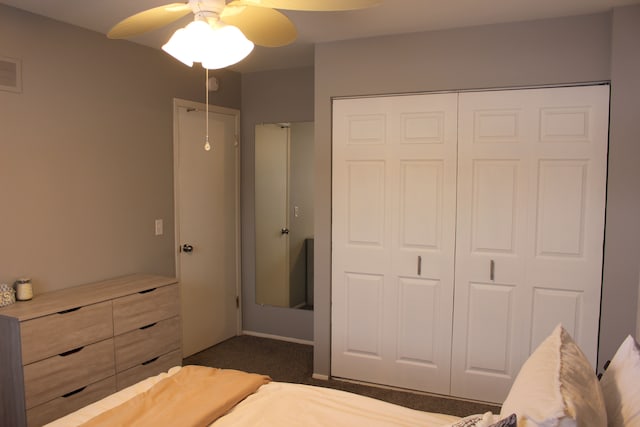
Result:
[{"x": 10, "y": 74}]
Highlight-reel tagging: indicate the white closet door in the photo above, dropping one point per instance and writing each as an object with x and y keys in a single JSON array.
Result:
[
  {"x": 531, "y": 198},
  {"x": 393, "y": 213}
]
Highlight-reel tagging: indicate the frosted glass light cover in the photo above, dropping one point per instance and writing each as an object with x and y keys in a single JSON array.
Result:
[{"x": 214, "y": 48}]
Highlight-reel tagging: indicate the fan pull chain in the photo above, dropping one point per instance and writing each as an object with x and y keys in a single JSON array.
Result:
[{"x": 207, "y": 146}]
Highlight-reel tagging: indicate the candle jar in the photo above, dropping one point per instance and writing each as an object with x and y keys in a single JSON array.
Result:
[{"x": 24, "y": 289}]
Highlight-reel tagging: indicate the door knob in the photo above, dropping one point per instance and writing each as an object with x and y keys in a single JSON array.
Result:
[
  {"x": 187, "y": 248},
  {"x": 285, "y": 231}
]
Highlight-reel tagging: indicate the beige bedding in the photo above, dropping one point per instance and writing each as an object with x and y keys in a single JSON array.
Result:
[
  {"x": 283, "y": 404},
  {"x": 194, "y": 397}
]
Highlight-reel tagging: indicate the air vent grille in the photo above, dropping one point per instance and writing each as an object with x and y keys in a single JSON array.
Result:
[{"x": 10, "y": 79}]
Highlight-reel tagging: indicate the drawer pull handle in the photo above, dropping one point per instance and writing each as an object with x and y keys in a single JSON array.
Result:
[
  {"x": 149, "y": 326},
  {"x": 147, "y": 291},
  {"x": 67, "y": 353},
  {"x": 150, "y": 361},
  {"x": 69, "y": 310},
  {"x": 71, "y": 393}
]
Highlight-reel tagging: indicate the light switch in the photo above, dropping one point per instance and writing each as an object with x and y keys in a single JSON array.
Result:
[{"x": 159, "y": 228}]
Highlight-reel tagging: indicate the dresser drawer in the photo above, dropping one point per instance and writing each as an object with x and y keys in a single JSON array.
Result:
[
  {"x": 63, "y": 405},
  {"x": 141, "y": 345},
  {"x": 56, "y": 333},
  {"x": 148, "y": 369},
  {"x": 58, "y": 375},
  {"x": 146, "y": 307}
]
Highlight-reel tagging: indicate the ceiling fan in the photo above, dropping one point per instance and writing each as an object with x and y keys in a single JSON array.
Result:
[{"x": 224, "y": 33}]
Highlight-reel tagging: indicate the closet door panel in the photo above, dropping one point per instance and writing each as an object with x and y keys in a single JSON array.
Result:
[
  {"x": 361, "y": 243},
  {"x": 365, "y": 203},
  {"x": 405, "y": 222},
  {"x": 531, "y": 187},
  {"x": 566, "y": 307},
  {"x": 423, "y": 241},
  {"x": 421, "y": 204},
  {"x": 417, "y": 308},
  {"x": 490, "y": 229},
  {"x": 561, "y": 208},
  {"x": 494, "y": 206},
  {"x": 489, "y": 340},
  {"x": 567, "y": 200},
  {"x": 364, "y": 308}
]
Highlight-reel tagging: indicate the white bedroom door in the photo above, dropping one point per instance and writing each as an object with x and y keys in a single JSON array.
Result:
[
  {"x": 393, "y": 220},
  {"x": 207, "y": 224},
  {"x": 531, "y": 197}
]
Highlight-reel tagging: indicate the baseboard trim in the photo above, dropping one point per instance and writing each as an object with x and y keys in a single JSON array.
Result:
[
  {"x": 320, "y": 377},
  {"x": 277, "y": 337}
]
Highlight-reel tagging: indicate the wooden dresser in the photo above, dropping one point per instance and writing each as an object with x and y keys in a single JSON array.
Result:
[{"x": 68, "y": 348}]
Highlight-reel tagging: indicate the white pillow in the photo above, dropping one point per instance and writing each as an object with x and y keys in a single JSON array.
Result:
[
  {"x": 556, "y": 387},
  {"x": 621, "y": 386}
]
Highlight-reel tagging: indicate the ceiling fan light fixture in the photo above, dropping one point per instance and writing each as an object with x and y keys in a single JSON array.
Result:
[
  {"x": 214, "y": 46},
  {"x": 231, "y": 47}
]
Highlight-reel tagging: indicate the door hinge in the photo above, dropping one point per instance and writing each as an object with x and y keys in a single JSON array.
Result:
[{"x": 237, "y": 302}]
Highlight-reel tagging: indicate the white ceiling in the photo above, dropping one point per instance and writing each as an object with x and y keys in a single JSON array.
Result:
[{"x": 390, "y": 17}]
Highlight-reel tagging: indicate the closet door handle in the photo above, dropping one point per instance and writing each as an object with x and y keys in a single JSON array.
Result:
[
  {"x": 419, "y": 265},
  {"x": 492, "y": 270}
]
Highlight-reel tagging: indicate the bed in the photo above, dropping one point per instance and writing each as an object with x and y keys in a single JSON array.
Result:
[{"x": 555, "y": 387}]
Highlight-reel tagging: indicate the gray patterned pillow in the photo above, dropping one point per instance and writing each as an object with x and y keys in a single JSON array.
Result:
[
  {"x": 510, "y": 421},
  {"x": 470, "y": 421},
  {"x": 485, "y": 420}
]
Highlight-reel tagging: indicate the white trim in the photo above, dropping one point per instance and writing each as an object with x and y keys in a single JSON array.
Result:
[
  {"x": 477, "y": 89},
  {"x": 320, "y": 377},
  {"x": 278, "y": 337}
]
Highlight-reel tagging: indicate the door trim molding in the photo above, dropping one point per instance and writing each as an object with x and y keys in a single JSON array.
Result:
[{"x": 477, "y": 89}]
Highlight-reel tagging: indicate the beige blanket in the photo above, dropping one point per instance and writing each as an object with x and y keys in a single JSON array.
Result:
[{"x": 195, "y": 396}]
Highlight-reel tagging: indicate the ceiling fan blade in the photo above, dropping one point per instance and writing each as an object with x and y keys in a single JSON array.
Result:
[
  {"x": 148, "y": 20},
  {"x": 263, "y": 26},
  {"x": 312, "y": 5}
]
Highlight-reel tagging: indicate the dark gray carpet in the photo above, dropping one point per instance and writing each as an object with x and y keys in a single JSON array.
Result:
[{"x": 291, "y": 362}]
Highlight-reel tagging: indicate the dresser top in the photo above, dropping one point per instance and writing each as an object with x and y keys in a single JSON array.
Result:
[{"x": 78, "y": 296}]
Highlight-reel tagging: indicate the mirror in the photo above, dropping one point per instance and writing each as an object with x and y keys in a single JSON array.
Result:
[{"x": 284, "y": 214}]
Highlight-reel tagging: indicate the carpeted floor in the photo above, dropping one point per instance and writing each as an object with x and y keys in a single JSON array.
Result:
[{"x": 291, "y": 362}]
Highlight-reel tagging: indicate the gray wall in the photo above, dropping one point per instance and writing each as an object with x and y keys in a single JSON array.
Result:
[
  {"x": 269, "y": 97},
  {"x": 86, "y": 162},
  {"x": 300, "y": 195},
  {"x": 622, "y": 238},
  {"x": 556, "y": 51}
]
